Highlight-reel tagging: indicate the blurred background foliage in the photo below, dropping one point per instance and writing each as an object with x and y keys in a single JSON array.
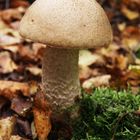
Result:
[{"x": 118, "y": 65}]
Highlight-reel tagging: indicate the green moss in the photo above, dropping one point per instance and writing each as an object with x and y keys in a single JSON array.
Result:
[{"x": 108, "y": 115}]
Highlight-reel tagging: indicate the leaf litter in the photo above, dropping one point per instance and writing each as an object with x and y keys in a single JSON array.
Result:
[{"x": 116, "y": 66}]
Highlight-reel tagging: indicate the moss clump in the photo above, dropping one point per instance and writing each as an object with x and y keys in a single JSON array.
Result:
[{"x": 108, "y": 115}]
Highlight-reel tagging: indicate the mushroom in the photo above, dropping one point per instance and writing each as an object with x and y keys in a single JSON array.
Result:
[{"x": 65, "y": 26}]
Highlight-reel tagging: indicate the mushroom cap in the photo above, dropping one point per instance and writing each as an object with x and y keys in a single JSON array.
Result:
[{"x": 67, "y": 24}]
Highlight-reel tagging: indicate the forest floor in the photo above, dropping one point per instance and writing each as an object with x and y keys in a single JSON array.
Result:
[{"x": 116, "y": 66}]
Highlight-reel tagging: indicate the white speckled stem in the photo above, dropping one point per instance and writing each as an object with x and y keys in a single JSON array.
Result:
[{"x": 60, "y": 77}]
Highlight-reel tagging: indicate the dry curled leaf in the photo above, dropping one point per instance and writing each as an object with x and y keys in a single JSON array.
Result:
[
  {"x": 11, "y": 48},
  {"x": 33, "y": 53},
  {"x": 21, "y": 105},
  {"x": 7, "y": 65},
  {"x": 131, "y": 15},
  {"x": 121, "y": 26},
  {"x": 16, "y": 137},
  {"x": 34, "y": 70},
  {"x": 132, "y": 77},
  {"x": 3, "y": 25},
  {"x": 86, "y": 58},
  {"x": 85, "y": 73},
  {"x": 6, "y": 127},
  {"x": 41, "y": 113},
  {"x": 11, "y": 14},
  {"x": 96, "y": 82},
  {"x": 8, "y": 40},
  {"x": 132, "y": 43},
  {"x": 11, "y": 89},
  {"x": 134, "y": 68}
]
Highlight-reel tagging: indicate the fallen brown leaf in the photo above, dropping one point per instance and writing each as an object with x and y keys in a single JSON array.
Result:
[
  {"x": 11, "y": 48},
  {"x": 131, "y": 15},
  {"x": 131, "y": 32},
  {"x": 32, "y": 52},
  {"x": 11, "y": 14},
  {"x": 23, "y": 127},
  {"x": 86, "y": 58},
  {"x": 8, "y": 40},
  {"x": 17, "y": 138},
  {"x": 18, "y": 3},
  {"x": 21, "y": 105},
  {"x": 6, "y": 127},
  {"x": 131, "y": 43},
  {"x": 34, "y": 70},
  {"x": 132, "y": 77},
  {"x": 85, "y": 73},
  {"x": 11, "y": 32},
  {"x": 3, "y": 25},
  {"x": 7, "y": 65},
  {"x": 41, "y": 113},
  {"x": 11, "y": 89},
  {"x": 96, "y": 82},
  {"x": 121, "y": 26},
  {"x": 15, "y": 25}
]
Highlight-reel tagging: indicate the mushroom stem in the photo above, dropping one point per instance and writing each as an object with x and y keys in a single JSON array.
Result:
[{"x": 60, "y": 77}]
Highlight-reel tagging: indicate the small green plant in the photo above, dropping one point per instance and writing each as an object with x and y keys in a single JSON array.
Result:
[{"x": 108, "y": 115}]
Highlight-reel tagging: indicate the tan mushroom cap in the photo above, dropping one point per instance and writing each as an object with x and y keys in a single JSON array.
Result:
[{"x": 67, "y": 23}]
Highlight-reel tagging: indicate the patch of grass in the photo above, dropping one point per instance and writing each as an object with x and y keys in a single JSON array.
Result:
[{"x": 108, "y": 115}]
